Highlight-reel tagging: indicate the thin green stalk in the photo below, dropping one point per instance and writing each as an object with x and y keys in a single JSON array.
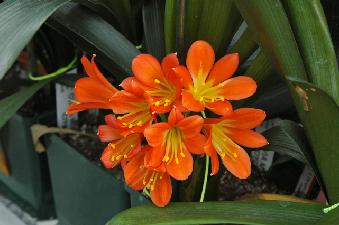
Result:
[
  {"x": 61, "y": 70},
  {"x": 202, "y": 196},
  {"x": 146, "y": 192}
]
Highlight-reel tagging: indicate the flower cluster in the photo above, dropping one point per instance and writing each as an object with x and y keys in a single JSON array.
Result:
[{"x": 162, "y": 103}]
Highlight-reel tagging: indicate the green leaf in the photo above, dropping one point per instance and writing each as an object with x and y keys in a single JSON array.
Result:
[
  {"x": 319, "y": 115},
  {"x": 245, "y": 45},
  {"x": 19, "y": 21},
  {"x": 331, "y": 217},
  {"x": 314, "y": 40},
  {"x": 218, "y": 22},
  {"x": 260, "y": 68},
  {"x": 289, "y": 138},
  {"x": 10, "y": 104},
  {"x": 267, "y": 19},
  {"x": 93, "y": 34},
  {"x": 153, "y": 18},
  {"x": 116, "y": 12},
  {"x": 192, "y": 23},
  {"x": 170, "y": 25},
  {"x": 239, "y": 212},
  {"x": 317, "y": 110}
]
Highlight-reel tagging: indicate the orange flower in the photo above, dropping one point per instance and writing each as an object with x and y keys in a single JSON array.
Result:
[
  {"x": 224, "y": 135},
  {"x": 92, "y": 92},
  {"x": 209, "y": 85},
  {"x": 157, "y": 180},
  {"x": 133, "y": 108},
  {"x": 174, "y": 141},
  {"x": 160, "y": 82},
  {"x": 123, "y": 144}
]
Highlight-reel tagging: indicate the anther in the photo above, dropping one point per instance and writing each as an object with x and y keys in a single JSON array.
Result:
[
  {"x": 176, "y": 160},
  {"x": 156, "y": 81},
  {"x": 182, "y": 154}
]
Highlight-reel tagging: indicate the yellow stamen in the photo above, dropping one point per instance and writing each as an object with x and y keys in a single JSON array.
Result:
[
  {"x": 176, "y": 160},
  {"x": 156, "y": 81}
]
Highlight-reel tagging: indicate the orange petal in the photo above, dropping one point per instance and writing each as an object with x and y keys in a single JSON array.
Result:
[
  {"x": 134, "y": 172},
  {"x": 93, "y": 72},
  {"x": 185, "y": 76},
  {"x": 107, "y": 133},
  {"x": 183, "y": 169},
  {"x": 155, "y": 133},
  {"x": 210, "y": 151},
  {"x": 247, "y": 138},
  {"x": 190, "y": 126},
  {"x": 238, "y": 88},
  {"x": 132, "y": 85},
  {"x": 175, "y": 116},
  {"x": 90, "y": 90},
  {"x": 125, "y": 102},
  {"x": 111, "y": 120},
  {"x": 209, "y": 121},
  {"x": 196, "y": 144},
  {"x": 106, "y": 158},
  {"x": 153, "y": 158},
  {"x": 200, "y": 59},
  {"x": 241, "y": 166},
  {"x": 246, "y": 118},
  {"x": 220, "y": 107},
  {"x": 88, "y": 67},
  {"x": 169, "y": 63},
  {"x": 224, "y": 68},
  {"x": 190, "y": 103},
  {"x": 100, "y": 76},
  {"x": 161, "y": 195},
  {"x": 147, "y": 69},
  {"x": 77, "y": 107}
]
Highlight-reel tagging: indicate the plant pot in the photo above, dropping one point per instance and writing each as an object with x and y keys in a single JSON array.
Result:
[
  {"x": 84, "y": 193},
  {"x": 28, "y": 180}
]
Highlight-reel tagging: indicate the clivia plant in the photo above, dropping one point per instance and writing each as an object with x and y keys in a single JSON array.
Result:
[
  {"x": 161, "y": 103},
  {"x": 169, "y": 111}
]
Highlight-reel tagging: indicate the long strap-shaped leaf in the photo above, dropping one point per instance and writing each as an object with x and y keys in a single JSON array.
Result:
[
  {"x": 239, "y": 212},
  {"x": 317, "y": 110},
  {"x": 309, "y": 25},
  {"x": 19, "y": 20},
  {"x": 268, "y": 21},
  {"x": 153, "y": 19},
  {"x": 10, "y": 104},
  {"x": 92, "y": 33}
]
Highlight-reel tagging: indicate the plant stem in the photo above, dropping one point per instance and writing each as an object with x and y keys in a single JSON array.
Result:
[
  {"x": 61, "y": 70},
  {"x": 202, "y": 196}
]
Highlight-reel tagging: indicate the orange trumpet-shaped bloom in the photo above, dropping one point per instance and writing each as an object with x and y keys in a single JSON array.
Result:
[
  {"x": 173, "y": 142},
  {"x": 208, "y": 84},
  {"x": 161, "y": 84},
  {"x": 121, "y": 147},
  {"x": 92, "y": 92},
  {"x": 224, "y": 135},
  {"x": 157, "y": 180},
  {"x": 133, "y": 108}
]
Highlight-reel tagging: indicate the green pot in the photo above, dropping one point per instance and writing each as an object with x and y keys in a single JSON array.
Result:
[
  {"x": 28, "y": 183},
  {"x": 84, "y": 193}
]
